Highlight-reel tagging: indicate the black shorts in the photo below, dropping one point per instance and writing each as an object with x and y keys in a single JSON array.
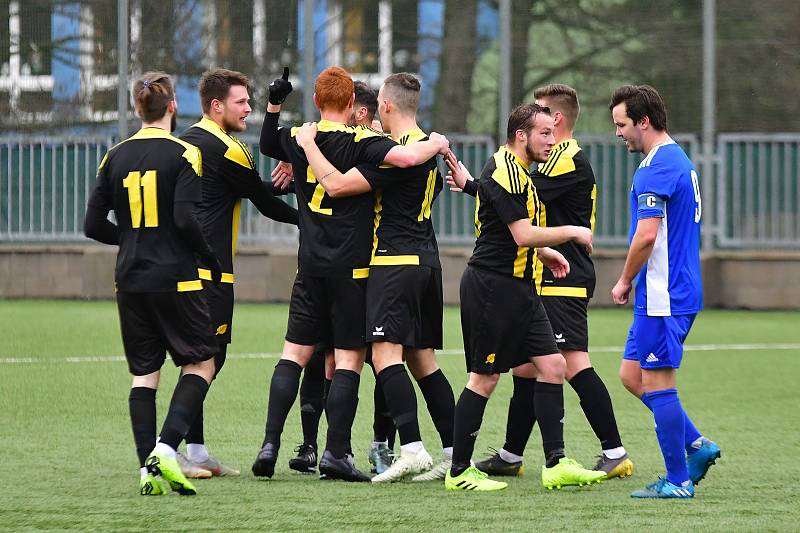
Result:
[
  {"x": 568, "y": 318},
  {"x": 154, "y": 322},
  {"x": 405, "y": 305},
  {"x": 220, "y": 304},
  {"x": 503, "y": 322},
  {"x": 327, "y": 310}
]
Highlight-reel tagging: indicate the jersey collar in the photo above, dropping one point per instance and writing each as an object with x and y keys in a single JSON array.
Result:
[{"x": 516, "y": 158}]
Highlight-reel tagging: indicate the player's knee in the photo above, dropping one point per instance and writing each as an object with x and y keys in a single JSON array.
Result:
[
  {"x": 631, "y": 382},
  {"x": 551, "y": 368},
  {"x": 483, "y": 384},
  {"x": 528, "y": 371}
]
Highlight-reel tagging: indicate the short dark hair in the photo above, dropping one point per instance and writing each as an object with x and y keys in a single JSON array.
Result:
[
  {"x": 404, "y": 90},
  {"x": 523, "y": 118},
  {"x": 366, "y": 97},
  {"x": 562, "y": 98},
  {"x": 641, "y": 101},
  {"x": 152, "y": 93},
  {"x": 216, "y": 83}
]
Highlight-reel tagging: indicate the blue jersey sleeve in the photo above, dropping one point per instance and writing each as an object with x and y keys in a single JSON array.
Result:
[{"x": 654, "y": 186}]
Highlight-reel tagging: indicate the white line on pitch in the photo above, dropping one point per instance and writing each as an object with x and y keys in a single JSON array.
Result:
[{"x": 276, "y": 355}]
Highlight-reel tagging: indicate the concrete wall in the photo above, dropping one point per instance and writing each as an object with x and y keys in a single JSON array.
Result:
[{"x": 754, "y": 280}]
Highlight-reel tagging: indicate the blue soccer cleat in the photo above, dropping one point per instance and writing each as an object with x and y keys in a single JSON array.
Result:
[
  {"x": 664, "y": 489},
  {"x": 700, "y": 461}
]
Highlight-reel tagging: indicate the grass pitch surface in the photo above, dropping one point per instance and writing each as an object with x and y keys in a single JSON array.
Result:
[{"x": 68, "y": 460}]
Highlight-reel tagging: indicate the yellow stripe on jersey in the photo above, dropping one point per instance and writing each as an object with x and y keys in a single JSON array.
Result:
[
  {"x": 574, "y": 292},
  {"x": 477, "y": 220},
  {"x": 237, "y": 213},
  {"x": 360, "y": 132},
  {"x": 539, "y": 272},
  {"x": 561, "y": 160},
  {"x": 193, "y": 285},
  {"x": 394, "y": 260},
  {"x": 192, "y": 153},
  {"x": 521, "y": 261},
  {"x": 237, "y": 151},
  {"x": 376, "y": 220},
  {"x": 594, "y": 208},
  {"x": 425, "y": 210},
  {"x": 103, "y": 162},
  {"x": 206, "y": 275},
  {"x": 360, "y": 273}
]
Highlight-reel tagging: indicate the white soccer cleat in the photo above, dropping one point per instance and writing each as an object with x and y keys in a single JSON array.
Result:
[
  {"x": 406, "y": 464},
  {"x": 191, "y": 469},
  {"x": 436, "y": 473}
]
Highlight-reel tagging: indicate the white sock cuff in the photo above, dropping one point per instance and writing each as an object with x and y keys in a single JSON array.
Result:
[{"x": 509, "y": 457}]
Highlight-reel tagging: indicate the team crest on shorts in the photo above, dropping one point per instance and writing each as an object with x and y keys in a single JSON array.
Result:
[{"x": 490, "y": 359}]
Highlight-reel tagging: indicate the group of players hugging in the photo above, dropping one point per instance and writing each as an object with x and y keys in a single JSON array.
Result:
[{"x": 368, "y": 286}]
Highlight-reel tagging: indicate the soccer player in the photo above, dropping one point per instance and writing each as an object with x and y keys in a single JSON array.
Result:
[
  {"x": 503, "y": 321},
  {"x": 152, "y": 183},
  {"x": 404, "y": 289},
  {"x": 664, "y": 260},
  {"x": 565, "y": 184},
  {"x": 328, "y": 297},
  {"x": 315, "y": 382},
  {"x": 229, "y": 175}
]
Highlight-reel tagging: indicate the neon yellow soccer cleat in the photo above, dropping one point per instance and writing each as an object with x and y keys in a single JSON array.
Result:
[
  {"x": 472, "y": 479},
  {"x": 168, "y": 468},
  {"x": 151, "y": 485},
  {"x": 569, "y": 472}
]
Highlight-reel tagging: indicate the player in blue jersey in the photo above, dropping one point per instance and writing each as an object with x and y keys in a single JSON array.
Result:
[{"x": 663, "y": 263}]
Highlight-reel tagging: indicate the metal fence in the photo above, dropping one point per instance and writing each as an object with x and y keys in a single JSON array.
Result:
[{"x": 750, "y": 191}]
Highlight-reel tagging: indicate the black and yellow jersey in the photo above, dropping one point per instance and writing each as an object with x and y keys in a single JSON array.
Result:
[
  {"x": 568, "y": 194},
  {"x": 505, "y": 195},
  {"x": 403, "y": 201},
  {"x": 229, "y": 175},
  {"x": 335, "y": 233},
  {"x": 141, "y": 179}
]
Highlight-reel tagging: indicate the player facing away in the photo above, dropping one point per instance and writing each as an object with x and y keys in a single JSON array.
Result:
[
  {"x": 229, "y": 175},
  {"x": 316, "y": 375},
  {"x": 328, "y": 298},
  {"x": 152, "y": 183},
  {"x": 404, "y": 289},
  {"x": 565, "y": 185},
  {"x": 503, "y": 321},
  {"x": 664, "y": 262}
]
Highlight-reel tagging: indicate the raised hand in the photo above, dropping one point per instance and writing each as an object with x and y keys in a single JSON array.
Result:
[{"x": 280, "y": 88}]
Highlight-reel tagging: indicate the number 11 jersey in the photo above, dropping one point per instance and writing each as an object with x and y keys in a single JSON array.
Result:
[{"x": 141, "y": 179}]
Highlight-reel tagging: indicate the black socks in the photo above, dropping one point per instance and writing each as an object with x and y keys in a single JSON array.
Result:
[
  {"x": 311, "y": 393},
  {"x": 441, "y": 404},
  {"x": 402, "y": 401},
  {"x": 142, "y": 406},
  {"x": 468, "y": 418},
  {"x": 521, "y": 415},
  {"x": 549, "y": 404},
  {"x": 187, "y": 400},
  {"x": 596, "y": 405},
  {"x": 282, "y": 392},
  {"x": 341, "y": 410}
]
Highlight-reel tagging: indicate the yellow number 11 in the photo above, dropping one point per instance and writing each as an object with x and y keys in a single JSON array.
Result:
[{"x": 135, "y": 182}]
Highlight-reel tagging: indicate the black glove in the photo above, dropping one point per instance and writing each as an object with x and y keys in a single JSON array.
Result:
[
  {"x": 210, "y": 261},
  {"x": 280, "y": 88}
]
